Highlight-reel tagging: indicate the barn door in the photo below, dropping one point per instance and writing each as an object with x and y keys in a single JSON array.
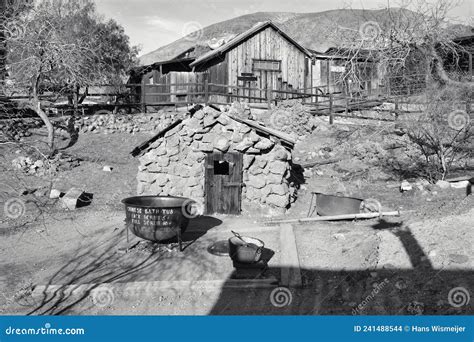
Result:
[{"x": 223, "y": 184}]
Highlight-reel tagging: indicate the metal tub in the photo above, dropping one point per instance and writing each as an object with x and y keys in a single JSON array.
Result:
[
  {"x": 329, "y": 205},
  {"x": 156, "y": 218}
]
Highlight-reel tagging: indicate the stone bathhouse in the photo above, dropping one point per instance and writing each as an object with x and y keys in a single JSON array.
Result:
[{"x": 221, "y": 161}]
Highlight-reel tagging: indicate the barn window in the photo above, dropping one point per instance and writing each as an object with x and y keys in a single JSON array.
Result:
[
  {"x": 150, "y": 80},
  {"x": 266, "y": 64},
  {"x": 221, "y": 167}
]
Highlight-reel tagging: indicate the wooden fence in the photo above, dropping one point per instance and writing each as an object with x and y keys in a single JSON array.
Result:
[{"x": 175, "y": 91}]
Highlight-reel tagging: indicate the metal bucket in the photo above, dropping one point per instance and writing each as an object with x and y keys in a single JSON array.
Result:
[
  {"x": 329, "y": 205},
  {"x": 247, "y": 252},
  {"x": 157, "y": 218}
]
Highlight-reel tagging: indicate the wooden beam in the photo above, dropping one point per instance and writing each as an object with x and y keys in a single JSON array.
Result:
[
  {"x": 289, "y": 261},
  {"x": 335, "y": 218}
]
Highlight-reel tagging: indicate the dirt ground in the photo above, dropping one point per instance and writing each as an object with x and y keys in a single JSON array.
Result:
[{"x": 410, "y": 264}]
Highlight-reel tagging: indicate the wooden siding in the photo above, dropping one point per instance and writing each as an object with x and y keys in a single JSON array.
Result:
[
  {"x": 175, "y": 82},
  {"x": 268, "y": 45},
  {"x": 223, "y": 192}
]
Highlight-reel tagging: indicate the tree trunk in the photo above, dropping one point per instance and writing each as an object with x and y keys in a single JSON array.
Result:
[{"x": 49, "y": 126}]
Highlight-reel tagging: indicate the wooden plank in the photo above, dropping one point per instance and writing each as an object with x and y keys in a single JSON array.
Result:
[
  {"x": 336, "y": 217},
  {"x": 283, "y": 136},
  {"x": 208, "y": 179},
  {"x": 247, "y": 78},
  {"x": 236, "y": 178},
  {"x": 289, "y": 261}
]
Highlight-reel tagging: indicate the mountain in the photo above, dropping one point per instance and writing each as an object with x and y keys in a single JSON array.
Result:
[{"x": 311, "y": 30}]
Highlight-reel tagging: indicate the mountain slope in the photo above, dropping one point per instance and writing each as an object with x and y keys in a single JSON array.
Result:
[{"x": 312, "y": 30}]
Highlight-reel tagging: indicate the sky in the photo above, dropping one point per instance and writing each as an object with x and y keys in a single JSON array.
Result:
[{"x": 154, "y": 23}]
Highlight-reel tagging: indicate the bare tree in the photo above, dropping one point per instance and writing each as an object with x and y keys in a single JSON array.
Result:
[
  {"x": 412, "y": 37},
  {"x": 407, "y": 47},
  {"x": 59, "y": 47}
]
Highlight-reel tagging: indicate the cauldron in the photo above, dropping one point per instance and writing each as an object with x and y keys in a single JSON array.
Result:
[
  {"x": 245, "y": 250},
  {"x": 157, "y": 218}
]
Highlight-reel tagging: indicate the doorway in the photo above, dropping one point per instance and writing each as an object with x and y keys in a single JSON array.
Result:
[{"x": 223, "y": 183}]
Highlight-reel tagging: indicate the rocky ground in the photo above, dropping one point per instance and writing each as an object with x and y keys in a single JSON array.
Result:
[{"x": 405, "y": 265}]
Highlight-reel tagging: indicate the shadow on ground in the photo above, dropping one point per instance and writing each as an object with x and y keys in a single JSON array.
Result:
[{"x": 421, "y": 290}]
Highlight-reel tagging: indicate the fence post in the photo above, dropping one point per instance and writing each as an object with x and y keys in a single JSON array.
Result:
[
  {"x": 206, "y": 89},
  {"x": 331, "y": 114},
  {"x": 143, "y": 97},
  {"x": 269, "y": 98}
]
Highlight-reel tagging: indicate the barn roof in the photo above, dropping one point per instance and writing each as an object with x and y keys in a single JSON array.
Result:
[{"x": 244, "y": 36}]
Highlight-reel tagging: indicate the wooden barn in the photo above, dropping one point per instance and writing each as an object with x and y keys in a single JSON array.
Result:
[
  {"x": 263, "y": 57},
  {"x": 462, "y": 63},
  {"x": 258, "y": 65}
]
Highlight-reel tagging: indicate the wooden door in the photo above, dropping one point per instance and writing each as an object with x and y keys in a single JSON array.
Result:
[{"x": 223, "y": 183}]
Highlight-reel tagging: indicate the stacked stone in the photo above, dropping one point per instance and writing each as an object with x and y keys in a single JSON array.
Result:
[
  {"x": 133, "y": 123},
  {"x": 292, "y": 116},
  {"x": 174, "y": 164}
]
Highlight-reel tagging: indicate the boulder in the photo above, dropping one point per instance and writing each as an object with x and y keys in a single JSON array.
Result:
[
  {"x": 146, "y": 177},
  {"x": 205, "y": 147},
  {"x": 253, "y": 194},
  {"x": 55, "y": 194},
  {"x": 192, "y": 181},
  {"x": 277, "y": 200},
  {"x": 278, "y": 167},
  {"x": 280, "y": 154},
  {"x": 163, "y": 161},
  {"x": 252, "y": 150},
  {"x": 209, "y": 121},
  {"x": 280, "y": 189},
  {"x": 261, "y": 162},
  {"x": 443, "y": 184},
  {"x": 107, "y": 168},
  {"x": 256, "y": 181},
  {"x": 248, "y": 160},
  {"x": 244, "y": 145},
  {"x": 255, "y": 170},
  {"x": 254, "y": 137},
  {"x": 222, "y": 144},
  {"x": 405, "y": 186},
  {"x": 264, "y": 144}
]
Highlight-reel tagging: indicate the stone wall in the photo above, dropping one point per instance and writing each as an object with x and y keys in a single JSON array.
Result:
[
  {"x": 133, "y": 123},
  {"x": 174, "y": 164},
  {"x": 120, "y": 123}
]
